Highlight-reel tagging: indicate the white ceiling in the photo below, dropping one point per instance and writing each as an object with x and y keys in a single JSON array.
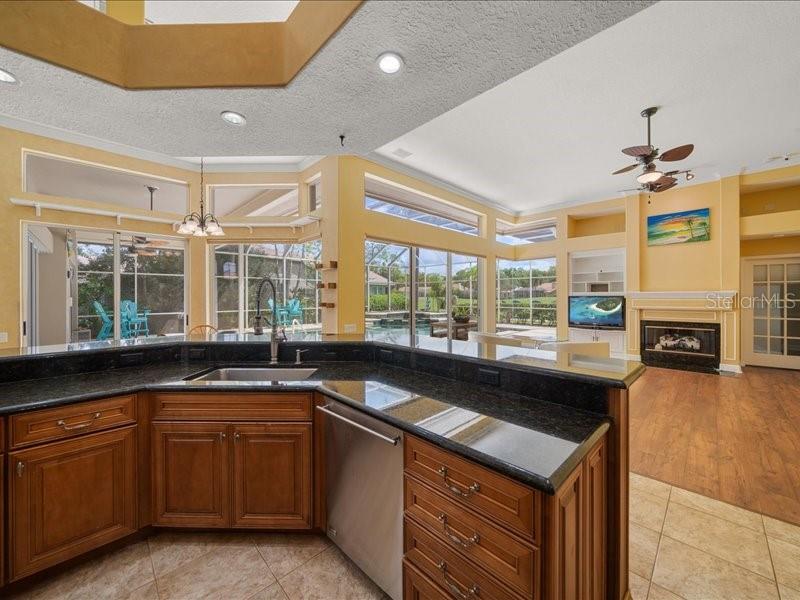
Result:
[
  {"x": 725, "y": 74},
  {"x": 453, "y": 51},
  {"x": 211, "y": 11}
]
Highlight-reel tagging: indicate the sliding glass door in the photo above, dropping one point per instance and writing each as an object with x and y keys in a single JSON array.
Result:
[
  {"x": 92, "y": 285},
  {"x": 433, "y": 294}
]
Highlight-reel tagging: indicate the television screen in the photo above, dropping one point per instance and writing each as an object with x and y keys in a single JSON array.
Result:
[{"x": 606, "y": 312}]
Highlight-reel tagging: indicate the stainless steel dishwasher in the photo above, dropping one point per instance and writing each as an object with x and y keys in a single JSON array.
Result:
[{"x": 364, "y": 493}]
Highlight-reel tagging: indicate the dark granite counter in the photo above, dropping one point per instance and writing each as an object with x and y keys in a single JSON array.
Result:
[{"x": 533, "y": 441}]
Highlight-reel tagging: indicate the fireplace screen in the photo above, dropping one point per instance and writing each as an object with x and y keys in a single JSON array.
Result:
[{"x": 697, "y": 341}]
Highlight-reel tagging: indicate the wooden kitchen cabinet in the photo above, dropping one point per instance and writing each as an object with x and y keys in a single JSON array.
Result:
[
  {"x": 190, "y": 474},
  {"x": 272, "y": 478},
  {"x": 68, "y": 497}
]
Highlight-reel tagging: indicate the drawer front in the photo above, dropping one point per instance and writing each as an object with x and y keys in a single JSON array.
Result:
[
  {"x": 68, "y": 421},
  {"x": 200, "y": 406},
  {"x": 445, "y": 567},
  {"x": 503, "y": 555},
  {"x": 503, "y": 500},
  {"x": 418, "y": 587}
]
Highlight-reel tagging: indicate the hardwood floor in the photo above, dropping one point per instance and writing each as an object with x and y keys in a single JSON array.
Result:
[{"x": 736, "y": 439}]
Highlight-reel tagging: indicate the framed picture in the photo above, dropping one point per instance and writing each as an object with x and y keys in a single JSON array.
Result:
[{"x": 679, "y": 227}]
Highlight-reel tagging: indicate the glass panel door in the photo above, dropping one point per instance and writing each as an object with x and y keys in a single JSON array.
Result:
[{"x": 771, "y": 313}]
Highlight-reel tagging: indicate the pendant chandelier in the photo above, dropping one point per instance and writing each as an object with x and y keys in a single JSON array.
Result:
[{"x": 201, "y": 224}]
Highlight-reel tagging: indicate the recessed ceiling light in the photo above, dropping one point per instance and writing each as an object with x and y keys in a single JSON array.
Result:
[
  {"x": 7, "y": 77},
  {"x": 390, "y": 63},
  {"x": 233, "y": 118}
]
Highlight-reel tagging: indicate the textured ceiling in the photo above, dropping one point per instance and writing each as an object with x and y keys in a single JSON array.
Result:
[
  {"x": 725, "y": 74},
  {"x": 453, "y": 51}
]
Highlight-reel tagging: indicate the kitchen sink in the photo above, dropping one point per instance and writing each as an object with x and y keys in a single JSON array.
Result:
[{"x": 256, "y": 374}]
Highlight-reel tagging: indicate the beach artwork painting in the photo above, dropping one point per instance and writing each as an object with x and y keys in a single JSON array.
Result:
[{"x": 679, "y": 227}]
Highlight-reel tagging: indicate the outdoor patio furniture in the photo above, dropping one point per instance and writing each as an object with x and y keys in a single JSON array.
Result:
[
  {"x": 107, "y": 327},
  {"x": 137, "y": 321},
  {"x": 294, "y": 310},
  {"x": 281, "y": 313},
  {"x": 460, "y": 330}
]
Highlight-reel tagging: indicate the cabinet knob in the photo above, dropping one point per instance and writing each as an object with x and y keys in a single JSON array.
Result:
[
  {"x": 222, "y": 435},
  {"x": 236, "y": 436}
]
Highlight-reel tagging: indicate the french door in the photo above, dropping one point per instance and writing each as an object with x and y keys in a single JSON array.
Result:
[{"x": 771, "y": 312}]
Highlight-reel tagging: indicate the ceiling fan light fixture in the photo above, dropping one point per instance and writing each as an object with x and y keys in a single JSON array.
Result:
[
  {"x": 689, "y": 175},
  {"x": 650, "y": 176}
]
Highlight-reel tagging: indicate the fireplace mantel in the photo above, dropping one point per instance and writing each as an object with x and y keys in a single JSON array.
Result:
[{"x": 696, "y": 306}]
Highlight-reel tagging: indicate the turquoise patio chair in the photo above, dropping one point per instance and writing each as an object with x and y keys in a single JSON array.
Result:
[
  {"x": 136, "y": 321},
  {"x": 107, "y": 327},
  {"x": 281, "y": 313},
  {"x": 294, "y": 310}
]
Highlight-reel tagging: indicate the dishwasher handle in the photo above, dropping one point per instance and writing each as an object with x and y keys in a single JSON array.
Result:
[{"x": 389, "y": 440}]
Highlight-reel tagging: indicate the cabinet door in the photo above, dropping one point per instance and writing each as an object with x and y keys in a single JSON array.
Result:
[
  {"x": 69, "y": 497},
  {"x": 190, "y": 474},
  {"x": 272, "y": 482},
  {"x": 418, "y": 587}
]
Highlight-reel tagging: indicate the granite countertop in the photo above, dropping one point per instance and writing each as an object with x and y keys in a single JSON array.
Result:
[
  {"x": 612, "y": 372},
  {"x": 536, "y": 442}
]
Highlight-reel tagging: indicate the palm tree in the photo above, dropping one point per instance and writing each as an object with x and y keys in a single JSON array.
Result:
[{"x": 690, "y": 223}]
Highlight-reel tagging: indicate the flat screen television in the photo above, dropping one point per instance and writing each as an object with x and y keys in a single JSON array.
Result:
[{"x": 603, "y": 312}]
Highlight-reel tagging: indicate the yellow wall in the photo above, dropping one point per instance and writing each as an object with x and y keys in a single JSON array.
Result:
[
  {"x": 770, "y": 201},
  {"x": 601, "y": 224},
  {"x": 771, "y": 246}
]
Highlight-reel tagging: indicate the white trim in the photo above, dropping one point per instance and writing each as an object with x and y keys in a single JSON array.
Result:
[
  {"x": 730, "y": 368},
  {"x": 119, "y": 215},
  {"x": 694, "y": 295}
]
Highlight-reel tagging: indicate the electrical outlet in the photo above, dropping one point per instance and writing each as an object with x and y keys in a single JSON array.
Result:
[
  {"x": 3, "y": 337},
  {"x": 349, "y": 327}
]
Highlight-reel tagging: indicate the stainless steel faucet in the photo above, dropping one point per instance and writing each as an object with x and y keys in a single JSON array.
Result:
[{"x": 258, "y": 328}]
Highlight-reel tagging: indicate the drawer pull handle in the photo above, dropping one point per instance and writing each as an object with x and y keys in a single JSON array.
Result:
[
  {"x": 456, "y": 489},
  {"x": 61, "y": 423},
  {"x": 456, "y": 539},
  {"x": 455, "y": 589},
  {"x": 20, "y": 468}
]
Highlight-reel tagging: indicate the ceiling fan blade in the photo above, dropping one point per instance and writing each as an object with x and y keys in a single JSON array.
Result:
[
  {"x": 637, "y": 150},
  {"x": 678, "y": 153},
  {"x": 663, "y": 188},
  {"x": 664, "y": 180},
  {"x": 625, "y": 169}
]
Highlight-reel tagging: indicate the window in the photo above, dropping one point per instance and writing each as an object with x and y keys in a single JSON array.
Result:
[
  {"x": 70, "y": 178},
  {"x": 525, "y": 233},
  {"x": 152, "y": 276},
  {"x": 387, "y": 278},
  {"x": 398, "y": 201},
  {"x": 526, "y": 297},
  {"x": 314, "y": 195},
  {"x": 72, "y": 276},
  {"x": 445, "y": 298},
  {"x": 242, "y": 201},
  {"x": 238, "y": 270}
]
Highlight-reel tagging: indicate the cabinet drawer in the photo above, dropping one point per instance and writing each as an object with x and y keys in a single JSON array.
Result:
[
  {"x": 449, "y": 570},
  {"x": 418, "y": 587},
  {"x": 508, "y": 558},
  {"x": 503, "y": 500},
  {"x": 200, "y": 406},
  {"x": 68, "y": 421}
]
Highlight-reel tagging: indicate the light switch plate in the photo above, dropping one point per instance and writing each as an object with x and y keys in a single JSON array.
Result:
[
  {"x": 3, "y": 337},
  {"x": 349, "y": 327}
]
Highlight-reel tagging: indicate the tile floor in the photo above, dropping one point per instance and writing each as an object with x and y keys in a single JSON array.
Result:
[
  {"x": 682, "y": 546},
  {"x": 687, "y": 546}
]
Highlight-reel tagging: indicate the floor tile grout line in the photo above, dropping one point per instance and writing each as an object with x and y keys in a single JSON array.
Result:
[
  {"x": 669, "y": 537},
  {"x": 152, "y": 566},
  {"x": 771, "y": 560},
  {"x": 305, "y": 562},
  {"x": 721, "y": 502}
]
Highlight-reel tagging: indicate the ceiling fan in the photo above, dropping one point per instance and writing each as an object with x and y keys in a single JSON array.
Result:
[
  {"x": 651, "y": 178},
  {"x": 141, "y": 246}
]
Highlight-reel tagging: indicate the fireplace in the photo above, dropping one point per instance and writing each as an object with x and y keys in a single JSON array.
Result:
[{"x": 689, "y": 346}]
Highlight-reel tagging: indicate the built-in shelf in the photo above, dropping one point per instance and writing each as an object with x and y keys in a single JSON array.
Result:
[{"x": 601, "y": 272}]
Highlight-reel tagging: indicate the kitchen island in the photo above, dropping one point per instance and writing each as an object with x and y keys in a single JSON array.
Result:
[{"x": 556, "y": 429}]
